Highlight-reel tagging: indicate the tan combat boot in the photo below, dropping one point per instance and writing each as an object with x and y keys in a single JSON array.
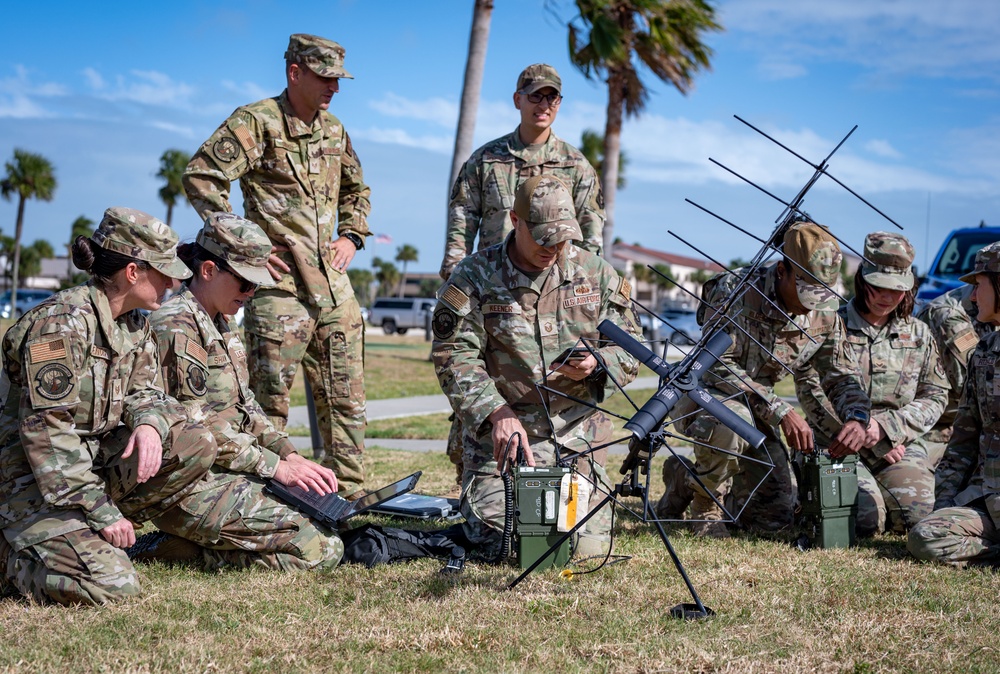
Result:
[
  {"x": 705, "y": 509},
  {"x": 676, "y": 499}
]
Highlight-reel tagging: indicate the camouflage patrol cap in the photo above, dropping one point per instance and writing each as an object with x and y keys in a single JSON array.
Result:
[
  {"x": 545, "y": 204},
  {"x": 538, "y": 76},
  {"x": 323, "y": 57},
  {"x": 889, "y": 261},
  {"x": 987, "y": 260},
  {"x": 242, "y": 244},
  {"x": 142, "y": 237},
  {"x": 816, "y": 261}
]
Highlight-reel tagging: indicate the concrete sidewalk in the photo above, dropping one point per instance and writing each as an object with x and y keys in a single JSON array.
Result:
[{"x": 414, "y": 406}]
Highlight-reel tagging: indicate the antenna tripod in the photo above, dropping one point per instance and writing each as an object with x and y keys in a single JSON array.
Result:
[{"x": 638, "y": 460}]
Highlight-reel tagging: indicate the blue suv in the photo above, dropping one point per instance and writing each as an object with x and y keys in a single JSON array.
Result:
[{"x": 956, "y": 257}]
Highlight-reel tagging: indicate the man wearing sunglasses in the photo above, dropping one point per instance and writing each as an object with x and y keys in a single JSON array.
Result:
[{"x": 483, "y": 194}]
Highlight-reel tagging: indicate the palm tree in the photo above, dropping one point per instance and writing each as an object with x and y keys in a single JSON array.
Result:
[
  {"x": 172, "y": 165},
  {"x": 479, "y": 37},
  {"x": 592, "y": 148},
  {"x": 30, "y": 176},
  {"x": 405, "y": 254},
  {"x": 386, "y": 274},
  {"x": 610, "y": 38}
]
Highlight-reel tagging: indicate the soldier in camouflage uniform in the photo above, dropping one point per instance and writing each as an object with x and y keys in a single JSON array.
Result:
[
  {"x": 895, "y": 361},
  {"x": 205, "y": 368},
  {"x": 88, "y": 439},
  {"x": 483, "y": 194},
  {"x": 502, "y": 320},
  {"x": 964, "y": 527},
  {"x": 952, "y": 320},
  {"x": 766, "y": 298},
  {"x": 301, "y": 182}
]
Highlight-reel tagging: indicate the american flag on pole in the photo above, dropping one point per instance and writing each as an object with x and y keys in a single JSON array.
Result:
[{"x": 383, "y": 238}]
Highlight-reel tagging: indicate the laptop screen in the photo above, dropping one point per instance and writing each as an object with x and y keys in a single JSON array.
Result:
[{"x": 382, "y": 495}]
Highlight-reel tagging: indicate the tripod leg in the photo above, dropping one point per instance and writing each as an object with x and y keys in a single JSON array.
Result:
[
  {"x": 686, "y": 611},
  {"x": 579, "y": 525}
]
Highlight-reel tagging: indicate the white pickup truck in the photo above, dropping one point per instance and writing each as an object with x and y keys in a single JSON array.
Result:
[{"x": 399, "y": 314}]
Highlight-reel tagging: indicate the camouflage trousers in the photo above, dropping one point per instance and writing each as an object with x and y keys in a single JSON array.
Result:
[
  {"x": 483, "y": 498},
  {"x": 762, "y": 500},
  {"x": 281, "y": 333},
  {"x": 956, "y": 536},
  {"x": 456, "y": 447},
  {"x": 238, "y": 525},
  {"x": 894, "y": 497},
  {"x": 80, "y": 567}
]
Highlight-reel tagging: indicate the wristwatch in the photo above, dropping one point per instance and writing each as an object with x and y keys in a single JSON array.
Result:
[
  {"x": 358, "y": 242},
  {"x": 860, "y": 416}
]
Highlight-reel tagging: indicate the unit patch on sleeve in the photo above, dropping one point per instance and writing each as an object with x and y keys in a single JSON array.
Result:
[
  {"x": 444, "y": 323},
  {"x": 54, "y": 381},
  {"x": 196, "y": 380}
]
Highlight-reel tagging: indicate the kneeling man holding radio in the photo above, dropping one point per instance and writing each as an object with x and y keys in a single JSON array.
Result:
[{"x": 521, "y": 313}]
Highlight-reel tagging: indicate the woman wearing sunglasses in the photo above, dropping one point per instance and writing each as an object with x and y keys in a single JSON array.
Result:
[{"x": 205, "y": 367}]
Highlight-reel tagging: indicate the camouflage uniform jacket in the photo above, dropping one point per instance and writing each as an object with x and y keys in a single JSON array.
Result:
[
  {"x": 483, "y": 194},
  {"x": 897, "y": 365},
  {"x": 71, "y": 374},
  {"x": 951, "y": 318},
  {"x": 747, "y": 365},
  {"x": 970, "y": 468},
  {"x": 205, "y": 368},
  {"x": 299, "y": 182},
  {"x": 497, "y": 331}
]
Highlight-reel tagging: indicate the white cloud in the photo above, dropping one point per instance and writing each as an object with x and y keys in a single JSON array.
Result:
[
  {"x": 960, "y": 38},
  {"x": 437, "y": 144},
  {"x": 94, "y": 79},
  {"x": 185, "y": 131},
  {"x": 150, "y": 87},
  {"x": 882, "y": 148},
  {"x": 676, "y": 151},
  {"x": 247, "y": 90},
  {"x": 439, "y": 111},
  {"x": 781, "y": 70},
  {"x": 17, "y": 95}
]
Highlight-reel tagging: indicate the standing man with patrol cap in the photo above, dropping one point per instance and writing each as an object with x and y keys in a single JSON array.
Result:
[
  {"x": 302, "y": 183},
  {"x": 501, "y": 324},
  {"x": 483, "y": 194}
]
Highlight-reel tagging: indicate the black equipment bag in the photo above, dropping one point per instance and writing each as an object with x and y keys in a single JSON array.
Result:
[{"x": 372, "y": 545}]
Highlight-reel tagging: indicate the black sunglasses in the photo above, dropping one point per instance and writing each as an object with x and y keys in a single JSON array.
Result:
[
  {"x": 245, "y": 286},
  {"x": 551, "y": 99}
]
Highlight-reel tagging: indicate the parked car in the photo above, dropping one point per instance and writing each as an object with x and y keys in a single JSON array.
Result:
[
  {"x": 27, "y": 298},
  {"x": 399, "y": 314},
  {"x": 681, "y": 327},
  {"x": 956, "y": 257}
]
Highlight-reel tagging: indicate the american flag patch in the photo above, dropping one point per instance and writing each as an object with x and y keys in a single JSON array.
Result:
[
  {"x": 966, "y": 340},
  {"x": 196, "y": 351},
  {"x": 243, "y": 135},
  {"x": 625, "y": 289},
  {"x": 51, "y": 350},
  {"x": 454, "y": 298}
]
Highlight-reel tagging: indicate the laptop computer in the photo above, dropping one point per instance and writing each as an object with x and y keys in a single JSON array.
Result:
[
  {"x": 332, "y": 510},
  {"x": 419, "y": 506}
]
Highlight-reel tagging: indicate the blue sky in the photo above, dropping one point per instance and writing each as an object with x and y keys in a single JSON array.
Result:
[{"x": 103, "y": 92}]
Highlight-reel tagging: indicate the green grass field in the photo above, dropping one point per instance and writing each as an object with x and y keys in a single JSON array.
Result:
[{"x": 869, "y": 609}]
